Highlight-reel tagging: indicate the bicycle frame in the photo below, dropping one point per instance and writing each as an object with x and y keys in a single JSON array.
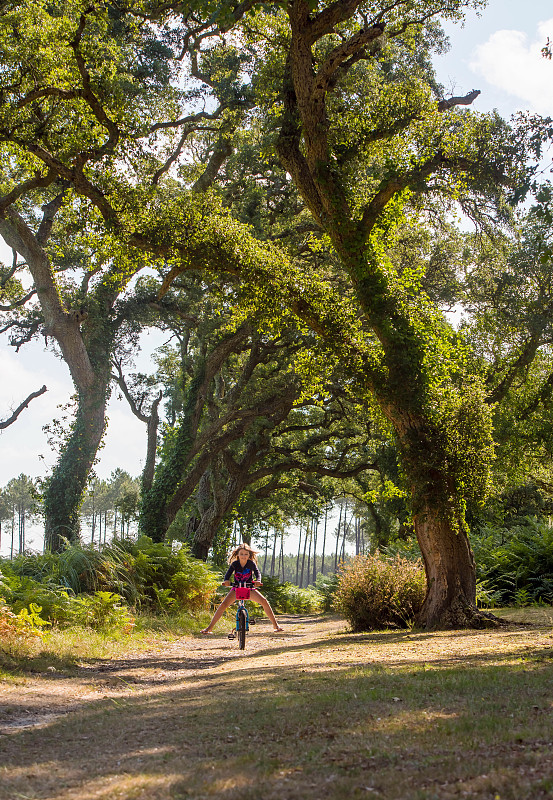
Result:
[{"x": 242, "y": 615}]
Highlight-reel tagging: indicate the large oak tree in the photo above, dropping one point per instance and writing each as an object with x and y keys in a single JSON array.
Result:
[{"x": 347, "y": 98}]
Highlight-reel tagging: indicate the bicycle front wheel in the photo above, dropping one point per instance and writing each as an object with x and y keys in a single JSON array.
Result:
[{"x": 241, "y": 628}]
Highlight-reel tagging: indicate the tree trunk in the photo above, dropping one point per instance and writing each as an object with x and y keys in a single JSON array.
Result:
[
  {"x": 273, "y": 557},
  {"x": 151, "y": 448},
  {"x": 87, "y": 356},
  {"x": 450, "y": 573},
  {"x": 315, "y": 534},
  {"x": 212, "y": 517},
  {"x": 324, "y": 544},
  {"x": 304, "y": 553},
  {"x": 67, "y": 484},
  {"x": 298, "y": 557},
  {"x": 338, "y": 538},
  {"x": 440, "y": 527}
]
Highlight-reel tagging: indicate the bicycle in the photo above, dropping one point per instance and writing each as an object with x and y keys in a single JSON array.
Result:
[{"x": 242, "y": 616}]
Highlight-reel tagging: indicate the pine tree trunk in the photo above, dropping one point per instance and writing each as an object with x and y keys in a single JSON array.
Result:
[
  {"x": 315, "y": 532},
  {"x": 304, "y": 553},
  {"x": 273, "y": 556},
  {"x": 298, "y": 557},
  {"x": 309, "y": 556},
  {"x": 324, "y": 544},
  {"x": 338, "y": 540}
]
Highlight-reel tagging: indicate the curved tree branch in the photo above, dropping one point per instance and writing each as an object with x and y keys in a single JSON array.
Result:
[{"x": 6, "y": 423}]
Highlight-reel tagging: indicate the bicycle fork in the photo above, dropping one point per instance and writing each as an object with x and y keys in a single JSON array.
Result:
[{"x": 242, "y": 609}]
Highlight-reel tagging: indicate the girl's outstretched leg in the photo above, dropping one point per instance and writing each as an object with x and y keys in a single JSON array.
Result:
[
  {"x": 228, "y": 601},
  {"x": 258, "y": 597}
]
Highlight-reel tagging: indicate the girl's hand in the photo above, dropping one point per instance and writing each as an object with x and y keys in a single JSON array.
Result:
[
  {"x": 257, "y": 583},
  {"x": 226, "y": 583}
]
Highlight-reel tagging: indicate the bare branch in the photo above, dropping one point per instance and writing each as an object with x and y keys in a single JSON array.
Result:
[
  {"x": 189, "y": 120},
  {"x": 172, "y": 158},
  {"x": 48, "y": 91},
  {"x": 469, "y": 98},
  {"x": 119, "y": 378},
  {"x": 6, "y": 423}
]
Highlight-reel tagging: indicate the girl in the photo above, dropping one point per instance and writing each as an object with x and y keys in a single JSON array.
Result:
[{"x": 243, "y": 563}]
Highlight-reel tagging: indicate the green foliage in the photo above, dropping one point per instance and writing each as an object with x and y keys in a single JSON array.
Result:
[
  {"x": 37, "y": 604},
  {"x": 516, "y": 563},
  {"x": 156, "y": 576},
  {"x": 376, "y": 593},
  {"x": 144, "y": 574},
  {"x": 327, "y": 586},
  {"x": 101, "y": 611},
  {"x": 17, "y": 630},
  {"x": 290, "y": 599},
  {"x": 486, "y": 597}
]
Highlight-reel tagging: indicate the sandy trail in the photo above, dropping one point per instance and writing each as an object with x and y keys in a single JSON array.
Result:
[{"x": 313, "y": 712}]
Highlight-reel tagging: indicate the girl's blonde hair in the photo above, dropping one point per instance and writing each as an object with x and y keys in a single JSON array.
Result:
[{"x": 252, "y": 554}]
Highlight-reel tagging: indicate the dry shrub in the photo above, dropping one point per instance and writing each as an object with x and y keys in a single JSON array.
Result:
[{"x": 375, "y": 593}]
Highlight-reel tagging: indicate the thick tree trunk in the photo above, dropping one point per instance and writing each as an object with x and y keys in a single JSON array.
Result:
[
  {"x": 450, "y": 572},
  {"x": 86, "y": 355},
  {"x": 438, "y": 517},
  {"x": 66, "y": 486},
  {"x": 211, "y": 518}
]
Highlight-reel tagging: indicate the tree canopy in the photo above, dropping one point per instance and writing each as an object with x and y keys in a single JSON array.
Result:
[{"x": 306, "y": 157}]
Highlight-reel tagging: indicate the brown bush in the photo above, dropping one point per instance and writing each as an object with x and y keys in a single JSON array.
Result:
[{"x": 375, "y": 592}]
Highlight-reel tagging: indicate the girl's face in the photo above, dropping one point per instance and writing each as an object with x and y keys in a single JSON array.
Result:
[{"x": 243, "y": 555}]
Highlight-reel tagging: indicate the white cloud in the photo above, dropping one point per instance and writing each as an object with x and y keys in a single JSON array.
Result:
[{"x": 511, "y": 62}]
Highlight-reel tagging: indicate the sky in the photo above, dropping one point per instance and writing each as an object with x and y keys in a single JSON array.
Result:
[{"x": 497, "y": 51}]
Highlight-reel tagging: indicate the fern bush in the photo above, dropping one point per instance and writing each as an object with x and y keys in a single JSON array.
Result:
[
  {"x": 21, "y": 627},
  {"x": 142, "y": 574},
  {"x": 519, "y": 570},
  {"x": 375, "y": 592},
  {"x": 168, "y": 579},
  {"x": 102, "y": 611}
]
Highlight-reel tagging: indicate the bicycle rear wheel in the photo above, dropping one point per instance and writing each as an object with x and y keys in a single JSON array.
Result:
[{"x": 241, "y": 628}]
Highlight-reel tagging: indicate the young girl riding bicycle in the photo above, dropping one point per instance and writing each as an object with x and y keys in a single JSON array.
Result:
[{"x": 243, "y": 563}]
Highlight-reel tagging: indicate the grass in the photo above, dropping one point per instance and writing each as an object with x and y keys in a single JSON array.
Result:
[
  {"x": 532, "y": 615},
  {"x": 321, "y": 712},
  {"x": 63, "y": 648}
]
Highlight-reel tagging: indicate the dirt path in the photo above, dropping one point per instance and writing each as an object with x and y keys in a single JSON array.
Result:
[{"x": 311, "y": 713}]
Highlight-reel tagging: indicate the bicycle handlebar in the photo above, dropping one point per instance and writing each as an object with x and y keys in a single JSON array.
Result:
[{"x": 246, "y": 585}]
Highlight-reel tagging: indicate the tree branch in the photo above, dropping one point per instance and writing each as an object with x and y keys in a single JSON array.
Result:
[
  {"x": 339, "y": 55},
  {"x": 6, "y": 423},
  {"x": 469, "y": 98},
  {"x": 39, "y": 181},
  {"x": 19, "y": 303}
]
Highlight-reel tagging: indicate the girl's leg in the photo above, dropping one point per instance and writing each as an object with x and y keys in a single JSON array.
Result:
[
  {"x": 228, "y": 601},
  {"x": 258, "y": 597}
]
